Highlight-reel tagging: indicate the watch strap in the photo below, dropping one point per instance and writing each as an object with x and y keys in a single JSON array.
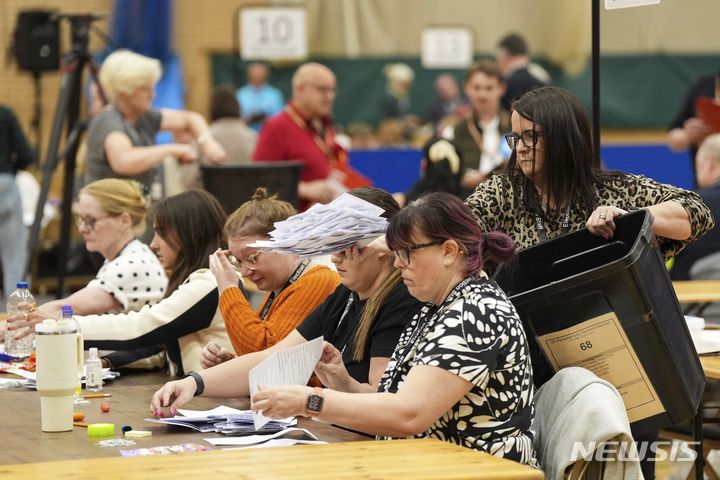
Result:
[
  {"x": 198, "y": 381},
  {"x": 317, "y": 392}
]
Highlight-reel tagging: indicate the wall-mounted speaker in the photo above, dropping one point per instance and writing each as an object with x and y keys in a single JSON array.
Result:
[{"x": 37, "y": 41}]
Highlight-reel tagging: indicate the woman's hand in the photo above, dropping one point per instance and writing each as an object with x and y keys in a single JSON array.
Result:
[
  {"x": 28, "y": 317},
  {"x": 225, "y": 275},
  {"x": 379, "y": 245},
  {"x": 331, "y": 370},
  {"x": 601, "y": 222},
  {"x": 213, "y": 151},
  {"x": 697, "y": 130},
  {"x": 185, "y": 153},
  {"x": 213, "y": 354},
  {"x": 173, "y": 394},
  {"x": 281, "y": 402}
]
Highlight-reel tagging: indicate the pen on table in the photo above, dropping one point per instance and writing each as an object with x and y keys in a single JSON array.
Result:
[
  {"x": 96, "y": 395},
  {"x": 80, "y": 424}
]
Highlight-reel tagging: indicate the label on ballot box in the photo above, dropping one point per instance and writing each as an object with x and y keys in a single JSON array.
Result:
[{"x": 601, "y": 346}]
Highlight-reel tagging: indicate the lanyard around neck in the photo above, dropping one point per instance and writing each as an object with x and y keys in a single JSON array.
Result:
[
  {"x": 542, "y": 230},
  {"x": 271, "y": 298},
  {"x": 427, "y": 313},
  {"x": 348, "y": 304},
  {"x": 324, "y": 140}
]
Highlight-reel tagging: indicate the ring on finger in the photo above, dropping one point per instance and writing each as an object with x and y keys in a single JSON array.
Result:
[
  {"x": 603, "y": 216},
  {"x": 26, "y": 316}
]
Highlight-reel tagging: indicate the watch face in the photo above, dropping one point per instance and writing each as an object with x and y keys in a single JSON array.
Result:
[{"x": 314, "y": 403}]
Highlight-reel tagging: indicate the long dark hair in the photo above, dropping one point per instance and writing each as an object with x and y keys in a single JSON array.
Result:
[
  {"x": 570, "y": 166},
  {"x": 441, "y": 216},
  {"x": 193, "y": 222}
]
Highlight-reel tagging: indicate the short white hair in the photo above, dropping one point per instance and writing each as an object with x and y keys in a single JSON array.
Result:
[
  {"x": 125, "y": 71},
  {"x": 710, "y": 148},
  {"x": 399, "y": 72}
]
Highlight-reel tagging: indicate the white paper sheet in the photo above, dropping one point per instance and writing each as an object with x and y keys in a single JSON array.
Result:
[
  {"x": 23, "y": 373},
  {"x": 706, "y": 341},
  {"x": 280, "y": 442},
  {"x": 220, "y": 410},
  {"x": 326, "y": 229},
  {"x": 253, "y": 439},
  {"x": 292, "y": 366}
]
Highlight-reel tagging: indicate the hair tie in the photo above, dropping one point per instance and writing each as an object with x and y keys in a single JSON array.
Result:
[{"x": 485, "y": 239}]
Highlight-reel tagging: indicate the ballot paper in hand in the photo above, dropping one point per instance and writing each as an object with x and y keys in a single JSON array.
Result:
[
  {"x": 292, "y": 366},
  {"x": 326, "y": 229}
]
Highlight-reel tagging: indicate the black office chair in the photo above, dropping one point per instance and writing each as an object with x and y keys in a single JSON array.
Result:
[{"x": 233, "y": 185}]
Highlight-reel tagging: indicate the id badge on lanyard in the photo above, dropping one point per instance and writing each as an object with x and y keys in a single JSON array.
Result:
[{"x": 542, "y": 230}]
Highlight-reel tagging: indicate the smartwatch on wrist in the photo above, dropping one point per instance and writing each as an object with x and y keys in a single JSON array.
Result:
[
  {"x": 314, "y": 402},
  {"x": 198, "y": 381}
]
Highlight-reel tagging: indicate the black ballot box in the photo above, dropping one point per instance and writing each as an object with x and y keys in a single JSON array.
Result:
[{"x": 609, "y": 306}]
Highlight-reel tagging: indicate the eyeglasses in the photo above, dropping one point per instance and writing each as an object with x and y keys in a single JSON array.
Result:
[
  {"x": 403, "y": 254},
  {"x": 249, "y": 264},
  {"x": 324, "y": 89},
  {"x": 88, "y": 221},
  {"x": 529, "y": 138}
]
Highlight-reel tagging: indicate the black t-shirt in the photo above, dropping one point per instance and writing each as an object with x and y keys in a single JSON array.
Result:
[{"x": 392, "y": 317}]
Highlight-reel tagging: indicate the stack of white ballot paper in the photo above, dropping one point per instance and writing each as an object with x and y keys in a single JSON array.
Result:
[
  {"x": 292, "y": 366},
  {"x": 225, "y": 420},
  {"x": 326, "y": 229}
]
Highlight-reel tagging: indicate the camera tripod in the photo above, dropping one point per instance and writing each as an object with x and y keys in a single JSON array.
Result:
[{"x": 67, "y": 114}]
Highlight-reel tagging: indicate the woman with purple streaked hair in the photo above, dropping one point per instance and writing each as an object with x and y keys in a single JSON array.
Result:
[{"x": 461, "y": 371}]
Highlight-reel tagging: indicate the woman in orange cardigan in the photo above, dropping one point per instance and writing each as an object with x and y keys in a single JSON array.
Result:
[{"x": 295, "y": 286}]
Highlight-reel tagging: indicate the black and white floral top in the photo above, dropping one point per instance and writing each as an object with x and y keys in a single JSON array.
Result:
[{"x": 475, "y": 334}]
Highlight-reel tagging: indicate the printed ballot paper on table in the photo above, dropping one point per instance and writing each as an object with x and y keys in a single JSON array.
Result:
[
  {"x": 326, "y": 229},
  {"x": 292, "y": 366}
]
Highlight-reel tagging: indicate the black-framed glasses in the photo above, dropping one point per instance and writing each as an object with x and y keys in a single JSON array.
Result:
[
  {"x": 88, "y": 221},
  {"x": 403, "y": 254},
  {"x": 529, "y": 138}
]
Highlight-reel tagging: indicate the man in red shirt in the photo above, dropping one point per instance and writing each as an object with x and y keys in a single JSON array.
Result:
[{"x": 303, "y": 131}]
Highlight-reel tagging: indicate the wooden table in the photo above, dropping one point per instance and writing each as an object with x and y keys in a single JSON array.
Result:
[
  {"x": 426, "y": 458},
  {"x": 29, "y": 453},
  {"x": 24, "y": 442},
  {"x": 697, "y": 291},
  {"x": 711, "y": 365},
  {"x": 697, "y": 294}
]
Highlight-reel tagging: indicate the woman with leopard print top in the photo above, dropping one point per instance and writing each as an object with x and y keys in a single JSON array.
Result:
[
  {"x": 461, "y": 371},
  {"x": 554, "y": 183}
]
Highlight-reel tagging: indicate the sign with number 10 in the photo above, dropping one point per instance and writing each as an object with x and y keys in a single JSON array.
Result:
[{"x": 273, "y": 33}]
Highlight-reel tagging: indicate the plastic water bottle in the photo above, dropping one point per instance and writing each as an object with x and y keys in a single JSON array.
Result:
[
  {"x": 93, "y": 372},
  {"x": 23, "y": 346},
  {"x": 67, "y": 322}
]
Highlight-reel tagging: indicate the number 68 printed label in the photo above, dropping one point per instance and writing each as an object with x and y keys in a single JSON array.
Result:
[{"x": 601, "y": 346}]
